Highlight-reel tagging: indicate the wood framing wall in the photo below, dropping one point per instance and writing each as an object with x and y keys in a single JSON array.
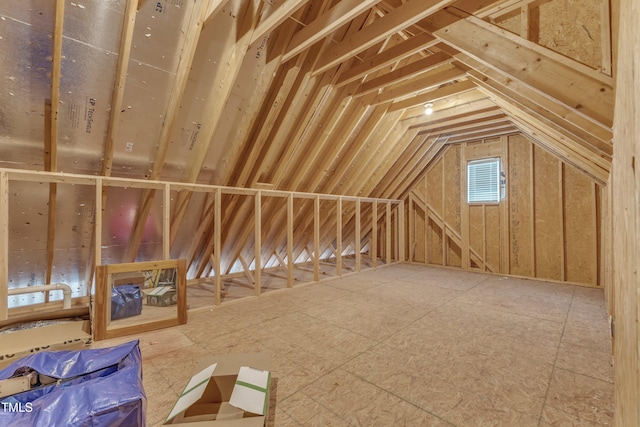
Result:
[
  {"x": 240, "y": 230},
  {"x": 547, "y": 226},
  {"x": 625, "y": 187}
]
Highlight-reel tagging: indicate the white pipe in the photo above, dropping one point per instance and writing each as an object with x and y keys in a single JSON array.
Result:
[{"x": 66, "y": 290}]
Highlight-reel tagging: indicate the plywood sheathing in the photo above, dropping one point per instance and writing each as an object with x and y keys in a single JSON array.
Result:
[{"x": 545, "y": 227}]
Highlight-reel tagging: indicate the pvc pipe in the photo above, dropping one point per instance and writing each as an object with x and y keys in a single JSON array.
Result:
[{"x": 66, "y": 290}]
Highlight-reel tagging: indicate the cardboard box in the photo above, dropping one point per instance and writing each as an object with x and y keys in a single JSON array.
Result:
[
  {"x": 230, "y": 391},
  {"x": 162, "y": 296}
]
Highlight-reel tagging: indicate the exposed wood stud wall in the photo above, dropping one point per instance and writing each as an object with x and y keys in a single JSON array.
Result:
[{"x": 544, "y": 228}]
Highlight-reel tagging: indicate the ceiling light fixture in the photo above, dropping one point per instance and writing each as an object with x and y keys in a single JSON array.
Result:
[{"x": 428, "y": 109}]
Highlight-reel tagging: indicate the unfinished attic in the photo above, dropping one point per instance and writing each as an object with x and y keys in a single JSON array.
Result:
[{"x": 424, "y": 211}]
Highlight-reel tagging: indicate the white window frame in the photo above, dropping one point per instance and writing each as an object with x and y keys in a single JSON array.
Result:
[{"x": 490, "y": 191}]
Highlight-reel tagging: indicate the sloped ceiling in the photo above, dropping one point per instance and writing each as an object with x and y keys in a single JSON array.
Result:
[{"x": 318, "y": 96}]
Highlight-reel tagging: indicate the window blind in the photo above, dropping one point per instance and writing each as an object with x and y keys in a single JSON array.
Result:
[{"x": 483, "y": 181}]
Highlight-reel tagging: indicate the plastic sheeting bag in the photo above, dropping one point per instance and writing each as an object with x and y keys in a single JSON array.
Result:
[
  {"x": 126, "y": 301},
  {"x": 97, "y": 387}
]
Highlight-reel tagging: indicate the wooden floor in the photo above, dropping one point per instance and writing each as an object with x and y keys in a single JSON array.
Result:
[{"x": 407, "y": 345}]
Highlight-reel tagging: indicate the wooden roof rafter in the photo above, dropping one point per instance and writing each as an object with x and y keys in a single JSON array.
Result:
[{"x": 391, "y": 23}]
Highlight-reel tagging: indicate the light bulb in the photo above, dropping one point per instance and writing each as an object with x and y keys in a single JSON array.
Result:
[{"x": 428, "y": 109}]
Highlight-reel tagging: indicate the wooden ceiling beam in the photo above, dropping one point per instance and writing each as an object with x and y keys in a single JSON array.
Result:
[
  {"x": 416, "y": 174},
  {"x": 400, "y": 18},
  {"x": 191, "y": 38},
  {"x": 459, "y": 113},
  {"x": 314, "y": 100},
  {"x": 447, "y": 103},
  {"x": 435, "y": 95},
  {"x": 388, "y": 57},
  {"x": 586, "y": 91},
  {"x": 126, "y": 40},
  {"x": 403, "y": 164},
  {"x": 378, "y": 123},
  {"x": 387, "y": 152},
  {"x": 404, "y": 73},
  {"x": 473, "y": 133},
  {"x": 261, "y": 109},
  {"x": 551, "y": 114},
  {"x": 221, "y": 86},
  {"x": 431, "y": 80},
  {"x": 452, "y": 129},
  {"x": 275, "y": 18},
  {"x": 51, "y": 137},
  {"x": 342, "y": 13},
  {"x": 565, "y": 148}
]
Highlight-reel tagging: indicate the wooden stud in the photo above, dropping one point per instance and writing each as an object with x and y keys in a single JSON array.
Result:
[
  {"x": 217, "y": 244},
  {"x": 258, "y": 242},
  {"x": 595, "y": 200},
  {"x": 290, "y": 242},
  {"x": 126, "y": 40},
  {"x": 357, "y": 236},
  {"x": 401, "y": 233},
  {"x": 425, "y": 237},
  {"x": 605, "y": 37},
  {"x": 388, "y": 234},
  {"x": 316, "y": 238},
  {"x": 339, "y": 237},
  {"x": 166, "y": 221},
  {"x": 51, "y": 137},
  {"x": 464, "y": 210},
  {"x": 445, "y": 239},
  {"x": 532, "y": 209},
  {"x": 412, "y": 236},
  {"x": 373, "y": 248},
  {"x": 505, "y": 262},
  {"x": 4, "y": 245},
  {"x": 97, "y": 226},
  {"x": 530, "y": 22}
]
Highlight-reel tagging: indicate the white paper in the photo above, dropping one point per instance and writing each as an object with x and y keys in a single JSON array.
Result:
[
  {"x": 193, "y": 391},
  {"x": 247, "y": 398}
]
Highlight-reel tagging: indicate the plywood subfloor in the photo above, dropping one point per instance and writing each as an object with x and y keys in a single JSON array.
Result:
[{"x": 408, "y": 345}]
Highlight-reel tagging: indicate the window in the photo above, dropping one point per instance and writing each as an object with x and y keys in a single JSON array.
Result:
[{"x": 483, "y": 181}]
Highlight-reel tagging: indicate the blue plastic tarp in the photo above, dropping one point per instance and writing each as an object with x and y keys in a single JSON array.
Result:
[
  {"x": 96, "y": 387},
  {"x": 126, "y": 301}
]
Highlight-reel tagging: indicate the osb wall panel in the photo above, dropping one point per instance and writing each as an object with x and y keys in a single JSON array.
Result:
[
  {"x": 434, "y": 185},
  {"x": 625, "y": 188},
  {"x": 580, "y": 231},
  {"x": 569, "y": 27},
  {"x": 434, "y": 244},
  {"x": 548, "y": 215},
  {"x": 452, "y": 201},
  {"x": 476, "y": 228},
  {"x": 520, "y": 190},
  {"x": 452, "y": 187},
  {"x": 492, "y": 237},
  {"x": 419, "y": 235}
]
